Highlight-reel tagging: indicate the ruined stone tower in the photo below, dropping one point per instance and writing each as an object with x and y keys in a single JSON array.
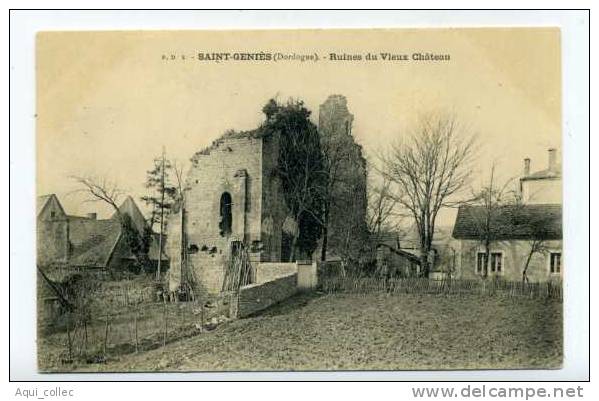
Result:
[
  {"x": 334, "y": 118},
  {"x": 233, "y": 196},
  {"x": 347, "y": 211}
]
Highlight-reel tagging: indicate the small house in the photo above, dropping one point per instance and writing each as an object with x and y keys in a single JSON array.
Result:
[
  {"x": 85, "y": 241},
  {"x": 522, "y": 237},
  {"x": 391, "y": 260}
]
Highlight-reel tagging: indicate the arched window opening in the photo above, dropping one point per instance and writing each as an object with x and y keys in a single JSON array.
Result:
[{"x": 226, "y": 215}]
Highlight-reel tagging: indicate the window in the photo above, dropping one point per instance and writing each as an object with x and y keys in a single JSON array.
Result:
[
  {"x": 481, "y": 261},
  {"x": 496, "y": 259},
  {"x": 555, "y": 262},
  {"x": 496, "y": 265},
  {"x": 52, "y": 214},
  {"x": 226, "y": 215}
]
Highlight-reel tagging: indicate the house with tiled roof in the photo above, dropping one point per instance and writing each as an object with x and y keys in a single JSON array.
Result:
[
  {"x": 514, "y": 230},
  {"x": 86, "y": 241}
]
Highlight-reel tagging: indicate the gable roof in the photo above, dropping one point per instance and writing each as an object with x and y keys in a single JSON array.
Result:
[
  {"x": 93, "y": 241},
  {"x": 408, "y": 255},
  {"x": 43, "y": 200},
  {"x": 129, "y": 207},
  {"x": 389, "y": 238},
  {"x": 522, "y": 222}
]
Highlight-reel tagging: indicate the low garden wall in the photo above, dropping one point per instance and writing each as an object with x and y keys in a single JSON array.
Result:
[
  {"x": 259, "y": 296},
  {"x": 268, "y": 271},
  {"x": 307, "y": 275}
]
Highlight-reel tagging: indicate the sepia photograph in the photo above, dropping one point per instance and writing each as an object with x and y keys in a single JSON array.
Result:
[{"x": 299, "y": 200}]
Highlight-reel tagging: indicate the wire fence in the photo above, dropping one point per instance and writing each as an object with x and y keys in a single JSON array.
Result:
[
  {"x": 368, "y": 285},
  {"x": 86, "y": 338}
]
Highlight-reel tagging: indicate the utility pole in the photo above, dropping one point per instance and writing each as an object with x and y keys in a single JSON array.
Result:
[{"x": 161, "y": 218}]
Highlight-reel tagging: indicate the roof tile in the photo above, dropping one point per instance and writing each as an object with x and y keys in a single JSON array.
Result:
[{"x": 523, "y": 222}]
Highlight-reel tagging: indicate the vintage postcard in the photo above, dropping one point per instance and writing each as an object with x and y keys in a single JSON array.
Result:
[{"x": 299, "y": 200}]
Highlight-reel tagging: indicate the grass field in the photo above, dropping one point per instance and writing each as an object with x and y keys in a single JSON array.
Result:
[{"x": 372, "y": 332}]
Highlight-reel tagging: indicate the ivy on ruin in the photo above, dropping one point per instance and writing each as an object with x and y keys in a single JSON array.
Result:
[{"x": 301, "y": 171}]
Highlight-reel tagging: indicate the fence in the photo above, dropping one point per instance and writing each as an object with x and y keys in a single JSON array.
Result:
[
  {"x": 95, "y": 337},
  {"x": 127, "y": 296},
  {"x": 367, "y": 285},
  {"x": 111, "y": 318}
]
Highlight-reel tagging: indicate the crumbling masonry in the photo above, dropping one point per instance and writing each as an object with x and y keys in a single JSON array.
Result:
[{"x": 232, "y": 196}]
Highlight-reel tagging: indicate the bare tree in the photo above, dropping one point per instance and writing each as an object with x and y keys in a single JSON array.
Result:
[
  {"x": 178, "y": 170},
  {"x": 429, "y": 171},
  {"x": 494, "y": 200},
  {"x": 537, "y": 245},
  {"x": 100, "y": 189},
  {"x": 381, "y": 213},
  {"x": 501, "y": 213},
  {"x": 537, "y": 227}
]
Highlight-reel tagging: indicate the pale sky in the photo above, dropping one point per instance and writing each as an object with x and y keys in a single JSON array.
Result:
[{"x": 108, "y": 102}]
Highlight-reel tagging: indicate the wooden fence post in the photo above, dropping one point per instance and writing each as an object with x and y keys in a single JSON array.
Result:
[
  {"x": 165, "y": 326},
  {"x": 202, "y": 316},
  {"x": 85, "y": 333},
  {"x": 136, "y": 339},
  {"x": 69, "y": 344},
  {"x": 79, "y": 326},
  {"x": 105, "y": 334}
]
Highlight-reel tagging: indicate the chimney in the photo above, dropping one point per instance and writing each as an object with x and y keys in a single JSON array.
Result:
[
  {"x": 92, "y": 216},
  {"x": 552, "y": 157},
  {"x": 526, "y": 167}
]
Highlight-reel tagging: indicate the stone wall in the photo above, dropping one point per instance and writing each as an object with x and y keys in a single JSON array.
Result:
[
  {"x": 268, "y": 271},
  {"x": 243, "y": 166},
  {"x": 232, "y": 166},
  {"x": 256, "y": 297},
  {"x": 513, "y": 260},
  {"x": 52, "y": 233}
]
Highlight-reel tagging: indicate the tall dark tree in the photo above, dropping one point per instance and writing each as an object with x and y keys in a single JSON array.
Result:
[
  {"x": 162, "y": 192},
  {"x": 162, "y": 197},
  {"x": 301, "y": 171}
]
